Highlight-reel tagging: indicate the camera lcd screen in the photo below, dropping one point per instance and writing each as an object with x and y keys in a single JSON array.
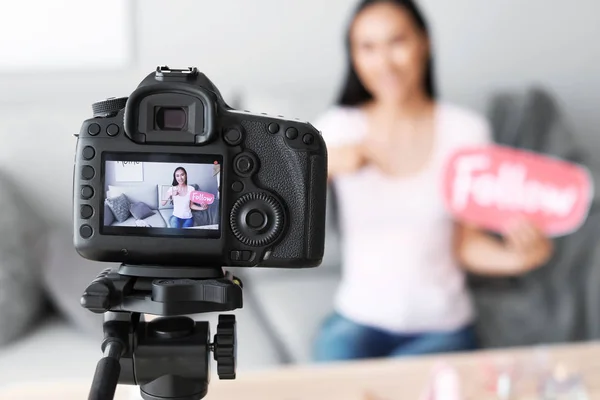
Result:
[{"x": 161, "y": 195}]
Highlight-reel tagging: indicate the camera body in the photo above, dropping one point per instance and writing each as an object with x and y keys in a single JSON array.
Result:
[{"x": 173, "y": 176}]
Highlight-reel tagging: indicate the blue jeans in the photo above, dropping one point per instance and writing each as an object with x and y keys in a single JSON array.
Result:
[
  {"x": 343, "y": 339},
  {"x": 176, "y": 222}
]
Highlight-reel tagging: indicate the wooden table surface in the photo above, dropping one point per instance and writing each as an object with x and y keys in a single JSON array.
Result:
[
  {"x": 406, "y": 378},
  {"x": 367, "y": 380}
]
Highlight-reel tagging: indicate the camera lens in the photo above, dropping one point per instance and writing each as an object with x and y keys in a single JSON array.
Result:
[{"x": 171, "y": 118}]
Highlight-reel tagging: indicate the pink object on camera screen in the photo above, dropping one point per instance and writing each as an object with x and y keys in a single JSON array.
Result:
[{"x": 199, "y": 197}]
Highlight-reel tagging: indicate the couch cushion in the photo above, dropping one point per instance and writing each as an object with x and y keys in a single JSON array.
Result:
[
  {"x": 137, "y": 193},
  {"x": 166, "y": 215},
  {"x": 155, "y": 221},
  {"x": 294, "y": 304},
  {"x": 51, "y": 352},
  {"x": 109, "y": 217},
  {"x": 141, "y": 210}
]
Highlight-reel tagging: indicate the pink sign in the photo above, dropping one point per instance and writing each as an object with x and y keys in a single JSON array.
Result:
[
  {"x": 202, "y": 197},
  {"x": 490, "y": 185}
]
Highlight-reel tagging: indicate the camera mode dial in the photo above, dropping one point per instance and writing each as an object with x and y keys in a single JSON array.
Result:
[{"x": 109, "y": 106}]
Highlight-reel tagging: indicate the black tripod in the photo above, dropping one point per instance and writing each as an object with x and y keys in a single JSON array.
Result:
[{"x": 169, "y": 357}]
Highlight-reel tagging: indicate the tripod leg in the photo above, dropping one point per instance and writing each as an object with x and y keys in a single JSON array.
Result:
[{"x": 107, "y": 373}]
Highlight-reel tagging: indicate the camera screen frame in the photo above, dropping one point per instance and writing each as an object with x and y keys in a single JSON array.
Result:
[{"x": 199, "y": 159}]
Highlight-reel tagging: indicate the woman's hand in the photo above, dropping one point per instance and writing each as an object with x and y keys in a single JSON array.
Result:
[
  {"x": 525, "y": 248},
  {"x": 528, "y": 244},
  {"x": 345, "y": 159},
  {"x": 380, "y": 154},
  {"x": 174, "y": 191},
  {"x": 198, "y": 207}
]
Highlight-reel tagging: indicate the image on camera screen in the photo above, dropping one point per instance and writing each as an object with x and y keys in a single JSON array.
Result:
[{"x": 161, "y": 195}]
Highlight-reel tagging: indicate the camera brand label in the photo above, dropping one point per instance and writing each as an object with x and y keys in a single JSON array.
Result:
[
  {"x": 490, "y": 185},
  {"x": 202, "y": 197}
]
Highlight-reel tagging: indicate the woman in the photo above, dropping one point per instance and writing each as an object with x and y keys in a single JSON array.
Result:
[
  {"x": 403, "y": 290},
  {"x": 179, "y": 194}
]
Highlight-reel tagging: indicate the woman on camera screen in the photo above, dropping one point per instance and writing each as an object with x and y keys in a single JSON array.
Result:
[
  {"x": 179, "y": 193},
  {"x": 403, "y": 289}
]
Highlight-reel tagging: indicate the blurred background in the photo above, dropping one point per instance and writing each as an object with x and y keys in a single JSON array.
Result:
[{"x": 58, "y": 57}]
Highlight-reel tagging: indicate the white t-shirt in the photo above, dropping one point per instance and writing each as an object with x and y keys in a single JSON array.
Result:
[
  {"x": 399, "y": 272},
  {"x": 181, "y": 204}
]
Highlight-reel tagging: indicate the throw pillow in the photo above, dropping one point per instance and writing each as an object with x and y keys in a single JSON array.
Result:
[
  {"x": 141, "y": 210},
  {"x": 109, "y": 217},
  {"x": 137, "y": 193},
  {"x": 120, "y": 207}
]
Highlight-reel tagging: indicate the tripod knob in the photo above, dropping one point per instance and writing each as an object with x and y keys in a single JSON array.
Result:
[
  {"x": 225, "y": 347},
  {"x": 98, "y": 295}
]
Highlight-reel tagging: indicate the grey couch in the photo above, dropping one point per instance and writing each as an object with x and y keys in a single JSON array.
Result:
[
  {"x": 151, "y": 196},
  {"x": 281, "y": 315}
]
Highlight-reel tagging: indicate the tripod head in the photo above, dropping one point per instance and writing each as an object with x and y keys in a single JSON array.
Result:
[{"x": 168, "y": 357}]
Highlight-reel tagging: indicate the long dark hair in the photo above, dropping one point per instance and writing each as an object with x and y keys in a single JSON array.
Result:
[
  {"x": 353, "y": 92},
  {"x": 175, "y": 183}
]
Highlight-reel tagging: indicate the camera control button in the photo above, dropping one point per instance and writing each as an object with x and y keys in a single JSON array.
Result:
[
  {"x": 247, "y": 255},
  {"x": 233, "y": 136},
  {"x": 308, "y": 139},
  {"x": 87, "y": 172},
  {"x": 291, "y": 133},
  {"x": 235, "y": 255},
  {"x": 108, "y": 107},
  {"x": 87, "y": 192},
  {"x": 245, "y": 164},
  {"x": 86, "y": 211},
  {"x": 237, "y": 186},
  {"x": 94, "y": 129},
  {"x": 86, "y": 231},
  {"x": 88, "y": 153},
  {"x": 245, "y": 225},
  {"x": 256, "y": 219},
  {"x": 273, "y": 127},
  {"x": 112, "y": 130},
  {"x": 243, "y": 255}
]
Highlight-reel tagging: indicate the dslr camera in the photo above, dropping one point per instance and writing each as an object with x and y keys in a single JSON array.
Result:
[
  {"x": 173, "y": 184},
  {"x": 256, "y": 184}
]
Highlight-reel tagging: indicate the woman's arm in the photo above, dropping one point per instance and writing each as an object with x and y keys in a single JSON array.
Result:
[
  {"x": 524, "y": 249},
  {"x": 344, "y": 159},
  {"x": 170, "y": 198},
  {"x": 196, "y": 207}
]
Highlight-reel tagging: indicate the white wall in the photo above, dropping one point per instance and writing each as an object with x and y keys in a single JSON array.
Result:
[
  {"x": 487, "y": 45},
  {"x": 155, "y": 173},
  {"x": 286, "y": 57}
]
